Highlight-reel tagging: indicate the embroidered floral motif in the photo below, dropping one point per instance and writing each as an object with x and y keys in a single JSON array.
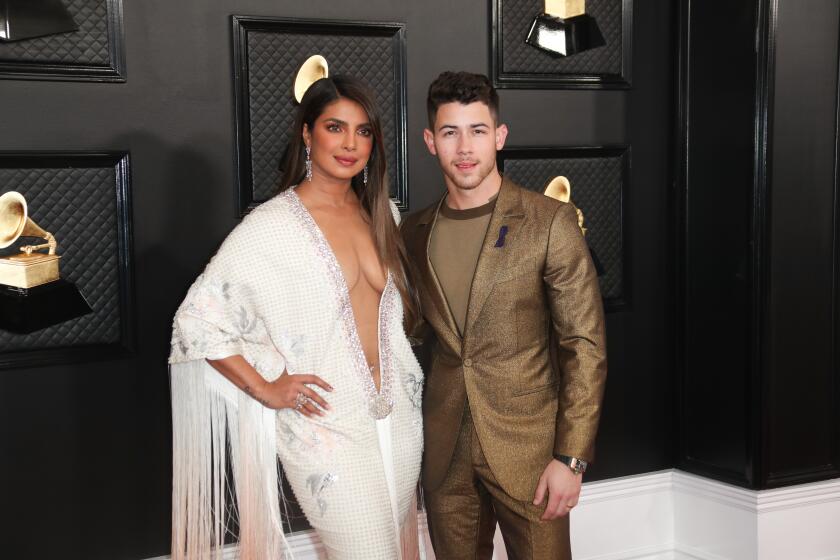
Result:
[
  {"x": 414, "y": 387},
  {"x": 306, "y": 436},
  {"x": 317, "y": 484},
  {"x": 215, "y": 317}
]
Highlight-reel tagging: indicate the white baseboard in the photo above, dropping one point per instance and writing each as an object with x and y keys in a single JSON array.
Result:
[
  {"x": 672, "y": 515},
  {"x": 629, "y": 517},
  {"x": 717, "y": 521}
]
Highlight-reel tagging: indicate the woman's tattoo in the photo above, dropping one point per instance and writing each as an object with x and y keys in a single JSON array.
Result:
[{"x": 251, "y": 394}]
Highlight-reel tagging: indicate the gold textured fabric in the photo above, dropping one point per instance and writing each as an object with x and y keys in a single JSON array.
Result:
[
  {"x": 454, "y": 248},
  {"x": 463, "y": 511},
  {"x": 532, "y": 359}
]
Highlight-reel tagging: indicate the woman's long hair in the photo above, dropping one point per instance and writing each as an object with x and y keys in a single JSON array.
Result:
[{"x": 374, "y": 196}]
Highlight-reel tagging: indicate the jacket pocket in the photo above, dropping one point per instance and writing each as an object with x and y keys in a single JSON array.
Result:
[{"x": 531, "y": 390}]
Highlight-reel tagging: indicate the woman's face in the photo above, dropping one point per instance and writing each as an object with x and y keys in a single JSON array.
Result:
[{"x": 341, "y": 140}]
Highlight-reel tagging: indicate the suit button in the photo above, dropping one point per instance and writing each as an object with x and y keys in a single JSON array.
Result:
[{"x": 468, "y": 362}]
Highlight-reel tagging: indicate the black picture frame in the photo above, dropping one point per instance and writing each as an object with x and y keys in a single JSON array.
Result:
[
  {"x": 81, "y": 350},
  {"x": 550, "y": 77},
  {"x": 62, "y": 69},
  {"x": 244, "y": 26},
  {"x": 620, "y": 301}
]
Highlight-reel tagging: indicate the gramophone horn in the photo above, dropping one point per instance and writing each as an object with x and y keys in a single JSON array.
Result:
[
  {"x": 12, "y": 217},
  {"x": 15, "y": 222},
  {"x": 559, "y": 188},
  {"x": 313, "y": 69}
]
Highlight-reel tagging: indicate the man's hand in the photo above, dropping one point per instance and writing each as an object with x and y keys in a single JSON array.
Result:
[{"x": 563, "y": 487}]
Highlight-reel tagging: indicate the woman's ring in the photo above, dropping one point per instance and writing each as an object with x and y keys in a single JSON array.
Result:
[{"x": 300, "y": 400}]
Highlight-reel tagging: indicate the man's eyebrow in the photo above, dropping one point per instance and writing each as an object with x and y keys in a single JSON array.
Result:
[{"x": 472, "y": 125}]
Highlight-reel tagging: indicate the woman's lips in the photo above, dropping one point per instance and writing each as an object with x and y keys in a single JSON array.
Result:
[{"x": 346, "y": 162}]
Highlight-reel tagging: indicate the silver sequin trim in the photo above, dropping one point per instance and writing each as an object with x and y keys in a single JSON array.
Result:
[{"x": 379, "y": 403}]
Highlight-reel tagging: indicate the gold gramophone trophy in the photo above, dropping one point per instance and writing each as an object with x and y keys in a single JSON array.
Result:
[
  {"x": 32, "y": 293},
  {"x": 561, "y": 189},
  {"x": 564, "y": 29},
  {"x": 313, "y": 69}
]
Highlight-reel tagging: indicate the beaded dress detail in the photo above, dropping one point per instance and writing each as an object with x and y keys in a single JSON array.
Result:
[{"x": 380, "y": 403}]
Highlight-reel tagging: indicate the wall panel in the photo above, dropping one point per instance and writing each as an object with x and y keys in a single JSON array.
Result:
[{"x": 87, "y": 457}]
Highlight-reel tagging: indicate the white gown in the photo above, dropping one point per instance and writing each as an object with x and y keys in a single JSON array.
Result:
[{"x": 275, "y": 294}]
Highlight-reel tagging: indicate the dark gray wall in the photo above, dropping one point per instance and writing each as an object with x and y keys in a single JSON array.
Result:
[
  {"x": 802, "y": 391},
  {"x": 759, "y": 254},
  {"x": 85, "y": 463}
]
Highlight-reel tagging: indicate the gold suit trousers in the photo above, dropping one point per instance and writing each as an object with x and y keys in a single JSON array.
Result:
[{"x": 462, "y": 512}]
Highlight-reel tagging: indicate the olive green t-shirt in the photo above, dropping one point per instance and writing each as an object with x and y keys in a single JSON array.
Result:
[{"x": 453, "y": 251}]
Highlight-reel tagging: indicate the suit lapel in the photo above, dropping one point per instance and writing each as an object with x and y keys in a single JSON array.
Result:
[
  {"x": 499, "y": 241},
  {"x": 433, "y": 291}
]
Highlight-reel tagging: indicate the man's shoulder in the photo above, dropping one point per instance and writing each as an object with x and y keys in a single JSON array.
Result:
[{"x": 536, "y": 203}]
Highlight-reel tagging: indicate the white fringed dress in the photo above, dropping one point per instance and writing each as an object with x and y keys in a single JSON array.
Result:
[{"x": 275, "y": 294}]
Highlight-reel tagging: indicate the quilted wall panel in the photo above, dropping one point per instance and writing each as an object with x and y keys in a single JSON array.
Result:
[
  {"x": 598, "y": 178},
  {"x": 269, "y": 55},
  {"x": 91, "y": 52},
  {"x": 82, "y": 200},
  {"x": 515, "y": 58}
]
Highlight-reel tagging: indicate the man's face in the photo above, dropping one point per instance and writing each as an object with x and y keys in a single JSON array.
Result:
[{"x": 465, "y": 140}]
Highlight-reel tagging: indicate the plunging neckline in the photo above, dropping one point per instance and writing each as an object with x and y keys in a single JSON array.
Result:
[{"x": 380, "y": 402}]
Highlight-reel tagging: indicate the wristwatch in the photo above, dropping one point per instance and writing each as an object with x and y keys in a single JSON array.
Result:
[{"x": 578, "y": 466}]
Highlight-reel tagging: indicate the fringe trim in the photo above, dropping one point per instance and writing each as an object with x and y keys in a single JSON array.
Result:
[
  {"x": 410, "y": 535},
  {"x": 209, "y": 417}
]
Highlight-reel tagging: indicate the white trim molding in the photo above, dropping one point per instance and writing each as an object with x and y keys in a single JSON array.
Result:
[
  {"x": 716, "y": 521},
  {"x": 673, "y": 515}
]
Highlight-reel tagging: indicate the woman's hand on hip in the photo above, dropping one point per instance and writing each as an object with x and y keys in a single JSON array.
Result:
[
  {"x": 287, "y": 391},
  {"x": 292, "y": 390}
]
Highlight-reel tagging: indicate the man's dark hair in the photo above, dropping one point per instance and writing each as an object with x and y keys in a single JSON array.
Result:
[{"x": 461, "y": 87}]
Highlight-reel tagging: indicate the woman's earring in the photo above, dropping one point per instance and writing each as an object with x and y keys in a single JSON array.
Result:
[
  {"x": 365, "y": 176},
  {"x": 308, "y": 164}
]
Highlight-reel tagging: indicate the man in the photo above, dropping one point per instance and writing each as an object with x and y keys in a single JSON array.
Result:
[{"x": 514, "y": 390}]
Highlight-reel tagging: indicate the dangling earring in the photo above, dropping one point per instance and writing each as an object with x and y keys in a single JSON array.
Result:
[
  {"x": 365, "y": 176},
  {"x": 308, "y": 164}
]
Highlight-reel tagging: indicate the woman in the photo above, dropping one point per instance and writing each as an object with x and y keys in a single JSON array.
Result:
[{"x": 291, "y": 344}]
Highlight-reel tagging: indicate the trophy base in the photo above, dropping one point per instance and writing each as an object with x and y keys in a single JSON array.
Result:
[
  {"x": 565, "y": 37},
  {"x": 28, "y": 271},
  {"x": 26, "y": 310}
]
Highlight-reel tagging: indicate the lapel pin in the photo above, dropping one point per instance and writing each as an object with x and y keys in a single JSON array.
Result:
[{"x": 500, "y": 242}]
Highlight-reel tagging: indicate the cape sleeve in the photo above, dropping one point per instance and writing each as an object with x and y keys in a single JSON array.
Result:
[
  {"x": 224, "y": 443},
  {"x": 216, "y": 320},
  {"x": 220, "y": 315}
]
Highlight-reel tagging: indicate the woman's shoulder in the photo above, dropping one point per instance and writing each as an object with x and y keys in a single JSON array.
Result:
[
  {"x": 271, "y": 216},
  {"x": 278, "y": 204},
  {"x": 271, "y": 224},
  {"x": 395, "y": 211}
]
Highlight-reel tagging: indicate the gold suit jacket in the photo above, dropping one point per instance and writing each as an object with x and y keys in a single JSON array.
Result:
[{"x": 532, "y": 358}]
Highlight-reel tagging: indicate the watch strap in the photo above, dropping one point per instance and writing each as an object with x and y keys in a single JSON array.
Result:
[{"x": 578, "y": 466}]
